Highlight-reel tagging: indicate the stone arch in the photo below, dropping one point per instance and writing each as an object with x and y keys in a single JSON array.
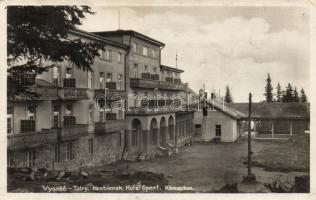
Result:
[
  {"x": 163, "y": 131},
  {"x": 171, "y": 130},
  {"x": 137, "y": 134},
  {"x": 154, "y": 131}
]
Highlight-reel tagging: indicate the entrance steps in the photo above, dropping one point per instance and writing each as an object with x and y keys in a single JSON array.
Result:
[{"x": 133, "y": 157}]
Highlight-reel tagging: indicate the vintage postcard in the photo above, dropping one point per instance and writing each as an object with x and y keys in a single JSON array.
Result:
[{"x": 163, "y": 98}]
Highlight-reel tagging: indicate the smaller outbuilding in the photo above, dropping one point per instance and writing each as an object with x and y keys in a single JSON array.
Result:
[{"x": 215, "y": 121}]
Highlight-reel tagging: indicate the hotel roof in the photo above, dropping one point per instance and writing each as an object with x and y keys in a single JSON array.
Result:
[{"x": 129, "y": 32}]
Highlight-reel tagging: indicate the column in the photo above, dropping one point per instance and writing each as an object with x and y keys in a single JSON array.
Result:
[{"x": 272, "y": 129}]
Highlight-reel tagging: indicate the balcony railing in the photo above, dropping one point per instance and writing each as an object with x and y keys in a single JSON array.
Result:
[
  {"x": 110, "y": 93},
  {"x": 27, "y": 126},
  {"x": 145, "y": 75},
  {"x": 69, "y": 120},
  {"x": 110, "y": 85},
  {"x": 32, "y": 139},
  {"x": 109, "y": 126},
  {"x": 169, "y": 79},
  {"x": 177, "y": 80},
  {"x": 74, "y": 131},
  {"x": 73, "y": 93},
  {"x": 143, "y": 83},
  {"x": 154, "y": 77},
  {"x": 70, "y": 82}
]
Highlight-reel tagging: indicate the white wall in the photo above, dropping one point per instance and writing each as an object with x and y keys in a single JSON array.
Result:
[{"x": 228, "y": 125}]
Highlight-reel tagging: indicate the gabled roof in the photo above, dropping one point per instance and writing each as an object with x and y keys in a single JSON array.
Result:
[
  {"x": 129, "y": 32},
  {"x": 227, "y": 110},
  {"x": 275, "y": 110},
  {"x": 171, "y": 68}
]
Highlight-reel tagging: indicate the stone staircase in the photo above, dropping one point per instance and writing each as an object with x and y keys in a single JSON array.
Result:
[{"x": 132, "y": 157}]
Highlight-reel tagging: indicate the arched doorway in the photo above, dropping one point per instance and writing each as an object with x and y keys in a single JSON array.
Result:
[
  {"x": 163, "y": 132},
  {"x": 171, "y": 128},
  {"x": 137, "y": 135},
  {"x": 154, "y": 131}
]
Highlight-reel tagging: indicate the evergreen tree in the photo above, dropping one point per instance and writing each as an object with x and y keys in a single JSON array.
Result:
[
  {"x": 228, "y": 98},
  {"x": 268, "y": 90},
  {"x": 279, "y": 93},
  {"x": 295, "y": 95},
  {"x": 288, "y": 94},
  {"x": 303, "y": 96},
  {"x": 39, "y": 36}
]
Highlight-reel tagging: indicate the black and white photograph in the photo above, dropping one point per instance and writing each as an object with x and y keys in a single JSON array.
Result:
[{"x": 152, "y": 98}]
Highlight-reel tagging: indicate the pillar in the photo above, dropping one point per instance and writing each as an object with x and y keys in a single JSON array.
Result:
[
  {"x": 272, "y": 129},
  {"x": 291, "y": 128}
]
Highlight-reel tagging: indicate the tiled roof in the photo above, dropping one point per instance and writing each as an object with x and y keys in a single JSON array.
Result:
[{"x": 275, "y": 110}]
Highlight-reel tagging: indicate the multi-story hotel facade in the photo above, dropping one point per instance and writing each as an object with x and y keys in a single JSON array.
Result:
[{"x": 95, "y": 117}]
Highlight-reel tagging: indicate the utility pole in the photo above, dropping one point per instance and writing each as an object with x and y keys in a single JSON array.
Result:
[
  {"x": 250, "y": 178},
  {"x": 249, "y": 136}
]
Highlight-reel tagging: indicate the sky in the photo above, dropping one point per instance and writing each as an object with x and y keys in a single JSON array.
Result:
[{"x": 219, "y": 46}]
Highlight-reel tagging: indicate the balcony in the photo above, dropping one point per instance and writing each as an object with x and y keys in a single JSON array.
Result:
[
  {"x": 32, "y": 139},
  {"x": 27, "y": 126},
  {"x": 72, "y": 132},
  {"x": 110, "y": 85},
  {"x": 109, "y": 126},
  {"x": 73, "y": 93},
  {"x": 151, "y": 84},
  {"x": 154, "y": 77},
  {"x": 110, "y": 93},
  {"x": 177, "y": 80},
  {"x": 70, "y": 82},
  {"x": 145, "y": 75}
]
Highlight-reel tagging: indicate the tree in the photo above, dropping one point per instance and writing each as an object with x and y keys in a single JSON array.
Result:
[
  {"x": 228, "y": 98},
  {"x": 295, "y": 95},
  {"x": 268, "y": 90},
  {"x": 288, "y": 94},
  {"x": 38, "y": 38},
  {"x": 303, "y": 96},
  {"x": 279, "y": 93}
]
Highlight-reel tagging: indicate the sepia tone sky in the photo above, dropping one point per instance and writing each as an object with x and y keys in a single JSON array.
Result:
[{"x": 219, "y": 46}]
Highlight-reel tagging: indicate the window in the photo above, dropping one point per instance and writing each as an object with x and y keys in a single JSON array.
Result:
[
  {"x": 69, "y": 72},
  {"x": 90, "y": 113},
  {"x": 31, "y": 158},
  {"x": 109, "y": 77},
  {"x": 107, "y": 55},
  {"x": 146, "y": 69},
  {"x": 9, "y": 119},
  {"x": 153, "y": 53},
  {"x": 57, "y": 153},
  {"x": 10, "y": 160},
  {"x": 69, "y": 110},
  {"x": 120, "y": 81},
  {"x": 218, "y": 130},
  {"x": 90, "y": 79},
  {"x": 9, "y": 125},
  {"x": 69, "y": 155},
  {"x": 134, "y": 46},
  {"x": 145, "y": 49},
  {"x": 119, "y": 57},
  {"x": 90, "y": 146},
  {"x": 31, "y": 112},
  {"x": 55, "y": 75},
  {"x": 101, "y": 80},
  {"x": 135, "y": 70},
  {"x": 56, "y": 116},
  {"x": 101, "y": 116}
]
